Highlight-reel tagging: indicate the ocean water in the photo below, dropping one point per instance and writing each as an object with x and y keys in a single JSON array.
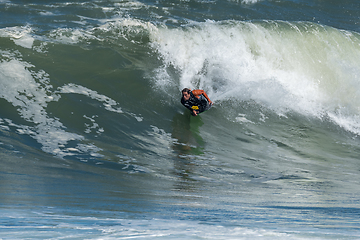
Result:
[{"x": 94, "y": 143}]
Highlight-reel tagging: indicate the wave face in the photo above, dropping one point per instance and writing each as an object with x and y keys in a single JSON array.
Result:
[
  {"x": 284, "y": 67},
  {"x": 95, "y": 143}
]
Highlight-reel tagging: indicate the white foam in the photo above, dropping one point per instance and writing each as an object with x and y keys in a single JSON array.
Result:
[
  {"x": 30, "y": 97},
  {"x": 126, "y": 26},
  {"x": 30, "y": 92},
  {"x": 286, "y": 67},
  {"x": 120, "y": 26},
  {"x": 249, "y": 1},
  {"x": 111, "y": 228},
  {"x": 245, "y": 1},
  {"x": 72, "y": 36},
  {"x": 130, "y": 5},
  {"x": 19, "y": 35},
  {"x": 89, "y": 127},
  {"x": 46, "y": 13},
  {"x": 242, "y": 118},
  {"x": 108, "y": 103}
]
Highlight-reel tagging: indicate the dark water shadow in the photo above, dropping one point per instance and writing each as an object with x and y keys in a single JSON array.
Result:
[
  {"x": 188, "y": 145},
  {"x": 185, "y": 129}
]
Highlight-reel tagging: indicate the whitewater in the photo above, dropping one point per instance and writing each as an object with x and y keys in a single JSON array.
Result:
[{"x": 95, "y": 143}]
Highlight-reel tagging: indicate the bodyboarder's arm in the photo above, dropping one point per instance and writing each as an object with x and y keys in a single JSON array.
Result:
[{"x": 198, "y": 92}]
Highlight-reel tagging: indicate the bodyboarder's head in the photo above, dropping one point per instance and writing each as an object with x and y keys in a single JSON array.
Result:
[{"x": 186, "y": 93}]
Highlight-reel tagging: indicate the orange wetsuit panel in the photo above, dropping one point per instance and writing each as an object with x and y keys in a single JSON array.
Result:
[{"x": 198, "y": 92}]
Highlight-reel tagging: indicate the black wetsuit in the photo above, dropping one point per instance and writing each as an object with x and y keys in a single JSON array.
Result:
[{"x": 198, "y": 104}]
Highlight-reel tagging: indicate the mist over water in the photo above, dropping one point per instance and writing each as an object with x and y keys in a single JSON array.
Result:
[{"x": 95, "y": 143}]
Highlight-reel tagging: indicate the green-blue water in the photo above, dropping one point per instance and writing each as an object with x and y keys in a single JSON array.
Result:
[{"x": 94, "y": 143}]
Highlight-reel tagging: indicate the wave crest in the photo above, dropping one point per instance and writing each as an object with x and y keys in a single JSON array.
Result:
[{"x": 298, "y": 67}]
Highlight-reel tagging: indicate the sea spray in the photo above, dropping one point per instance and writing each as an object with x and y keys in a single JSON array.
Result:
[{"x": 298, "y": 67}]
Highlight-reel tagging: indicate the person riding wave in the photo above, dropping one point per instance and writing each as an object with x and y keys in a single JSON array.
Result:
[{"x": 196, "y": 101}]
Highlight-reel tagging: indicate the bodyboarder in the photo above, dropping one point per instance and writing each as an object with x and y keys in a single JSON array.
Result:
[{"x": 197, "y": 101}]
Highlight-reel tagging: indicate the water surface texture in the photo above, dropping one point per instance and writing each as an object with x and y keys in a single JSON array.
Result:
[{"x": 94, "y": 143}]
